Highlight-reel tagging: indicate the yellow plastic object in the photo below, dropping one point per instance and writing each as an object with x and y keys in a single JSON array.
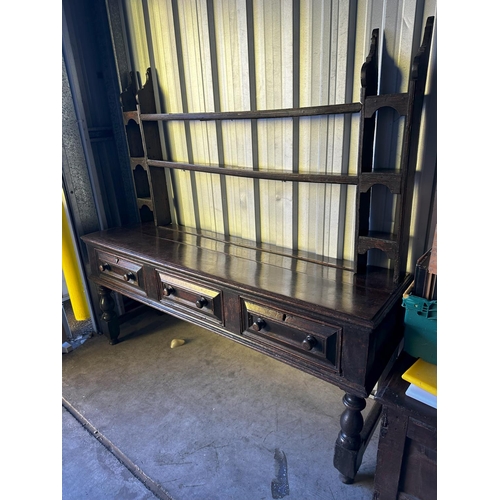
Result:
[
  {"x": 72, "y": 274},
  {"x": 176, "y": 343},
  {"x": 423, "y": 375}
]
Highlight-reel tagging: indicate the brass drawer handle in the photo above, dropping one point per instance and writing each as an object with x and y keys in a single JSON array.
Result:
[
  {"x": 129, "y": 277},
  {"x": 201, "y": 302},
  {"x": 309, "y": 342},
  {"x": 104, "y": 267},
  {"x": 168, "y": 290},
  {"x": 258, "y": 324}
]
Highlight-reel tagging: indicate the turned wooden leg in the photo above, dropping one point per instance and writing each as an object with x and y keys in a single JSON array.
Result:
[
  {"x": 107, "y": 305},
  {"x": 354, "y": 436},
  {"x": 349, "y": 440}
]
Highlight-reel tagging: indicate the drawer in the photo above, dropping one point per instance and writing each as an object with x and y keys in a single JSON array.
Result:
[
  {"x": 300, "y": 336},
  {"x": 182, "y": 293},
  {"x": 123, "y": 270}
]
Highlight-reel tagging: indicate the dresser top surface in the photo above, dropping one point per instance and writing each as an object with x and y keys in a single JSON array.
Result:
[{"x": 325, "y": 289}]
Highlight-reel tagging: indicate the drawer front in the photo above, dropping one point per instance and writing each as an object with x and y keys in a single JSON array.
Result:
[
  {"x": 309, "y": 339},
  {"x": 123, "y": 270},
  {"x": 200, "y": 299}
]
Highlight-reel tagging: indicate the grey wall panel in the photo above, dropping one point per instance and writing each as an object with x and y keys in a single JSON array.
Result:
[
  {"x": 94, "y": 87},
  {"x": 75, "y": 173}
]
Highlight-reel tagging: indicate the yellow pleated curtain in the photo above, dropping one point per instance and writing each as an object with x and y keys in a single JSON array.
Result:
[{"x": 71, "y": 271}]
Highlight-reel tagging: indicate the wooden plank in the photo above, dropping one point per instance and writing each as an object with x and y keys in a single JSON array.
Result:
[
  {"x": 332, "y": 109},
  {"x": 261, "y": 174}
]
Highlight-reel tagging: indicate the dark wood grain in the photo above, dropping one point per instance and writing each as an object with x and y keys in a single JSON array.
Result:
[
  {"x": 409, "y": 150},
  {"x": 332, "y": 109},
  {"x": 408, "y": 104},
  {"x": 128, "y": 96},
  {"x": 369, "y": 79},
  {"x": 174, "y": 231},
  {"x": 109, "y": 315},
  {"x": 314, "y": 288},
  {"x": 277, "y": 175},
  {"x": 407, "y": 450},
  {"x": 388, "y": 178},
  {"x": 399, "y": 102}
]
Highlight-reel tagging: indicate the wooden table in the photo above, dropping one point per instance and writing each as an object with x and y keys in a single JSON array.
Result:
[
  {"x": 338, "y": 326},
  {"x": 407, "y": 450}
]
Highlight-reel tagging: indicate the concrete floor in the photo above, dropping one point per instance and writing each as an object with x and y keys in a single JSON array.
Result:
[{"x": 208, "y": 420}]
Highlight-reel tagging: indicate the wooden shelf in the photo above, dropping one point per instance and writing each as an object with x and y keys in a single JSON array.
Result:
[
  {"x": 399, "y": 182},
  {"x": 277, "y": 175},
  {"x": 388, "y": 178},
  {"x": 399, "y": 102},
  {"x": 331, "y": 109},
  {"x": 386, "y": 242}
]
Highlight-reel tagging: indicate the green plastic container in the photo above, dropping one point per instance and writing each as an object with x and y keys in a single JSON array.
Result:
[{"x": 420, "y": 335}]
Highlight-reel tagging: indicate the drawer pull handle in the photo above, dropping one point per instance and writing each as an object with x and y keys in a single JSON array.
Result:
[
  {"x": 258, "y": 324},
  {"x": 168, "y": 290},
  {"x": 104, "y": 267},
  {"x": 309, "y": 342},
  {"x": 202, "y": 301},
  {"x": 129, "y": 277}
]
